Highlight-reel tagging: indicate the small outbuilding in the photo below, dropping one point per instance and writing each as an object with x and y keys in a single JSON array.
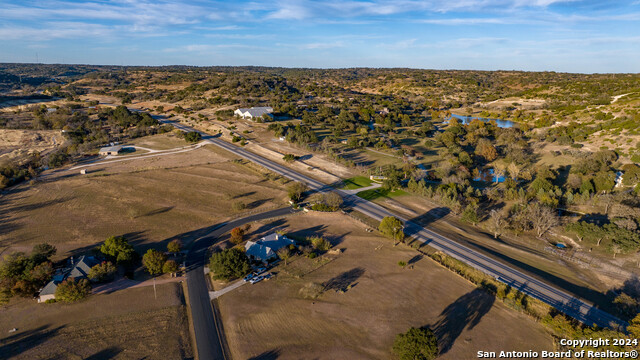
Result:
[{"x": 111, "y": 150}]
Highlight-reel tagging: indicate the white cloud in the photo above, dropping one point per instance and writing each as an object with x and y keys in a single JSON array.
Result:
[{"x": 322, "y": 46}]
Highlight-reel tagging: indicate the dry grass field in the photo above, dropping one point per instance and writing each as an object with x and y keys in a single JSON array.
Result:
[
  {"x": 368, "y": 299},
  {"x": 128, "y": 324},
  {"x": 150, "y": 201}
]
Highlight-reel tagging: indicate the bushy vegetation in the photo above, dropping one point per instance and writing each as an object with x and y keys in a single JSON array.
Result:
[
  {"x": 103, "y": 272},
  {"x": 154, "y": 260},
  {"x": 118, "y": 249},
  {"x": 72, "y": 290},
  {"x": 229, "y": 264},
  {"x": 392, "y": 227},
  {"x": 416, "y": 344},
  {"x": 24, "y": 275}
]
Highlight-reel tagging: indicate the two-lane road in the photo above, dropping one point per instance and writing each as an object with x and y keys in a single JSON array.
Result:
[
  {"x": 559, "y": 299},
  {"x": 207, "y": 328}
]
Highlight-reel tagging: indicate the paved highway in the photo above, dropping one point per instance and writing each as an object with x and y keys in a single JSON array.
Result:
[
  {"x": 208, "y": 330},
  {"x": 559, "y": 299}
]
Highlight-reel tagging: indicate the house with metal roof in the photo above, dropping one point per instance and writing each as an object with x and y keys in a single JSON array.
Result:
[
  {"x": 254, "y": 112},
  {"x": 265, "y": 248},
  {"x": 78, "y": 269}
]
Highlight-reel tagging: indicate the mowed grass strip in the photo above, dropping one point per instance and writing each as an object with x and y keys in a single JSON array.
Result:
[{"x": 356, "y": 182}]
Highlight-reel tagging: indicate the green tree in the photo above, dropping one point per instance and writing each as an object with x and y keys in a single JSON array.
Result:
[
  {"x": 416, "y": 344},
  {"x": 174, "y": 246},
  {"x": 71, "y": 290},
  {"x": 42, "y": 252},
  {"x": 237, "y": 235},
  {"x": 105, "y": 271},
  {"x": 470, "y": 214},
  {"x": 192, "y": 137},
  {"x": 153, "y": 260},
  {"x": 118, "y": 249},
  {"x": 229, "y": 264},
  {"x": 170, "y": 267},
  {"x": 634, "y": 327},
  {"x": 392, "y": 227},
  {"x": 289, "y": 158},
  {"x": 296, "y": 190},
  {"x": 604, "y": 181}
]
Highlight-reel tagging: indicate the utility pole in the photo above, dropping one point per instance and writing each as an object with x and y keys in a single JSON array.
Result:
[{"x": 155, "y": 295}]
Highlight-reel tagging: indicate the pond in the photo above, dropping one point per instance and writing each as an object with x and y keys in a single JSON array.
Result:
[
  {"x": 489, "y": 176},
  {"x": 465, "y": 120}
]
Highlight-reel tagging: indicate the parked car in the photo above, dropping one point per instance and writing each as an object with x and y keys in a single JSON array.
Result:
[
  {"x": 260, "y": 270},
  {"x": 267, "y": 276},
  {"x": 249, "y": 277},
  {"x": 256, "y": 279}
]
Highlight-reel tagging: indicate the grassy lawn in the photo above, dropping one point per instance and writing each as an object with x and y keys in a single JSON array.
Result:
[
  {"x": 380, "y": 193},
  {"x": 127, "y": 324},
  {"x": 149, "y": 201},
  {"x": 356, "y": 182},
  {"x": 160, "y": 142},
  {"x": 366, "y": 299}
]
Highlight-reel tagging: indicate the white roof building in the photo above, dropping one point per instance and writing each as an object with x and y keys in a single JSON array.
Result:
[
  {"x": 254, "y": 112},
  {"x": 265, "y": 248}
]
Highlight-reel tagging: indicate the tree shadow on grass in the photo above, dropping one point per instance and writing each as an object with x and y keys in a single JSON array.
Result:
[
  {"x": 158, "y": 211},
  {"x": 344, "y": 280},
  {"x": 267, "y": 355},
  {"x": 17, "y": 344},
  {"x": 464, "y": 313},
  {"x": 106, "y": 354}
]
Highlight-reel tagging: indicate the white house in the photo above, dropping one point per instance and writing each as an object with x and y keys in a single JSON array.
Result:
[
  {"x": 254, "y": 112},
  {"x": 265, "y": 248}
]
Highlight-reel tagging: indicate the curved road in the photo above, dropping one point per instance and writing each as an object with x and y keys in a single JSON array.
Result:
[
  {"x": 208, "y": 331},
  {"x": 559, "y": 299}
]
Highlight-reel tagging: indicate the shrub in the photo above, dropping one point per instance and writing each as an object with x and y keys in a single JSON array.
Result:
[
  {"x": 105, "y": 271},
  {"x": 71, "y": 290},
  {"x": 312, "y": 290},
  {"x": 392, "y": 227},
  {"x": 417, "y": 343},
  {"x": 170, "y": 267},
  {"x": 192, "y": 137},
  {"x": 319, "y": 243},
  {"x": 238, "y": 206},
  {"x": 289, "y": 157}
]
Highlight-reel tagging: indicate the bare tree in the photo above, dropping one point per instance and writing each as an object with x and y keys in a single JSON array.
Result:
[
  {"x": 514, "y": 170},
  {"x": 497, "y": 222},
  {"x": 542, "y": 218},
  {"x": 284, "y": 254},
  {"x": 607, "y": 199}
]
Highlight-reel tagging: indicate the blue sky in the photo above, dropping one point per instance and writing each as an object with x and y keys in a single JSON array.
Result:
[{"x": 556, "y": 35}]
